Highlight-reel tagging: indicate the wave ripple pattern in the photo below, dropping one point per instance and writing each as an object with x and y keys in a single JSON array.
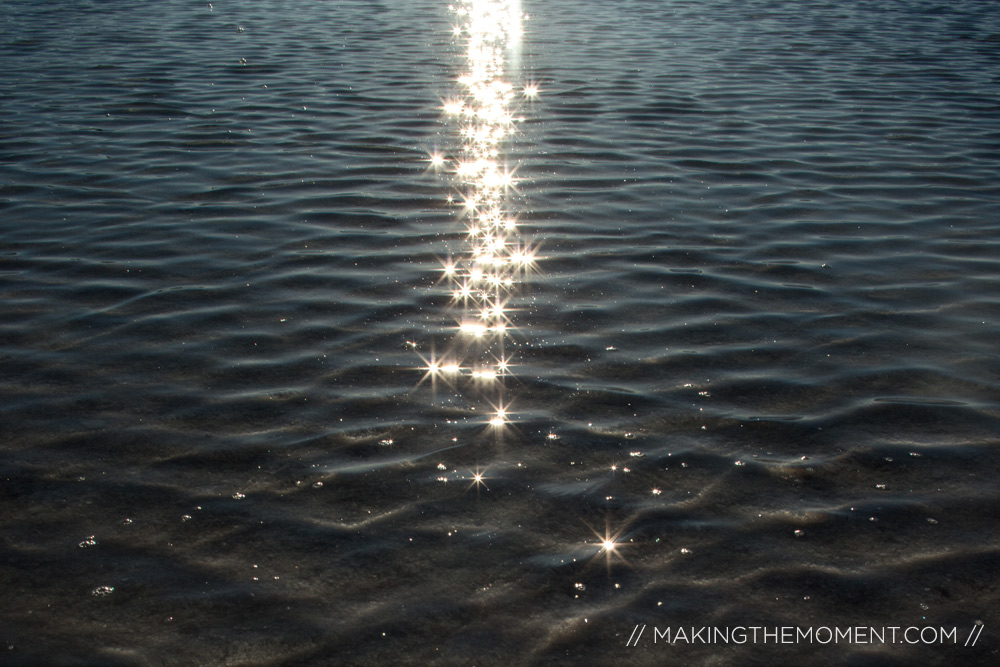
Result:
[{"x": 752, "y": 376}]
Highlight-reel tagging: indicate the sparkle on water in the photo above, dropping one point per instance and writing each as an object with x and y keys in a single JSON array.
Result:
[
  {"x": 610, "y": 542},
  {"x": 484, "y": 276},
  {"x": 478, "y": 480}
]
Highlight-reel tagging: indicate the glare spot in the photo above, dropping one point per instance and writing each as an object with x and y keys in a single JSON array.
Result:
[
  {"x": 478, "y": 479},
  {"x": 473, "y": 329}
]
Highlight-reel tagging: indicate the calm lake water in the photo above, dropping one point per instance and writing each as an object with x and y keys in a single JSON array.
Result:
[{"x": 755, "y": 351}]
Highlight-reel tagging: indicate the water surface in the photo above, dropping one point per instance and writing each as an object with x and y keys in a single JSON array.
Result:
[{"x": 758, "y": 348}]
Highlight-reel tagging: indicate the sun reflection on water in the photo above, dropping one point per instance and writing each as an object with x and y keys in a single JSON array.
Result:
[
  {"x": 484, "y": 277},
  {"x": 610, "y": 543}
]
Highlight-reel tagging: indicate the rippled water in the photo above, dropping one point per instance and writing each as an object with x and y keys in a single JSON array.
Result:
[{"x": 758, "y": 350}]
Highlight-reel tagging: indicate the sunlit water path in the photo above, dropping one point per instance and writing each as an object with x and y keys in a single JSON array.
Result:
[{"x": 485, "y": 275}]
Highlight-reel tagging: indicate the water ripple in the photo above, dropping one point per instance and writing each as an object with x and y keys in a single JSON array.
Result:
[{"x": 758, "y": 349}]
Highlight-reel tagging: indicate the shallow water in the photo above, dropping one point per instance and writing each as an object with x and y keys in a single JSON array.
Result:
[{"x": 758, "y": 348}]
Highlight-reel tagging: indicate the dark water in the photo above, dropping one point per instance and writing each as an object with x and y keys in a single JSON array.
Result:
[{"x": 769, "y": 242}]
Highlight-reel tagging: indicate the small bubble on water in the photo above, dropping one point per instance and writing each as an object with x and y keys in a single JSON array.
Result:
[
  {"x": 740, "y": 463},
  {"x": 240, "y": 29},
  {"x": 800, "y": 533},
  {"x": 442, "y": 466},
  {"x": 89, "y": 542},
  {"x": 238, "y": 496},
  {"x": 388, "y": 442},
  {"x": 580, "y": 586},
  {"x": 317, "y": 485},
  {"x": 102, "y": 591},
  {"x": 126, "y": 521},
  {"x": 881, "y": 486},
  {"x": 186, "y": 517},
  {"x": 685, "y": 550},
  {"x": 931, "y": 521}
]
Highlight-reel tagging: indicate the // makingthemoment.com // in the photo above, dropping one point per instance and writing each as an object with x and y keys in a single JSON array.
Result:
[{"x": 890, "y": 634}]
